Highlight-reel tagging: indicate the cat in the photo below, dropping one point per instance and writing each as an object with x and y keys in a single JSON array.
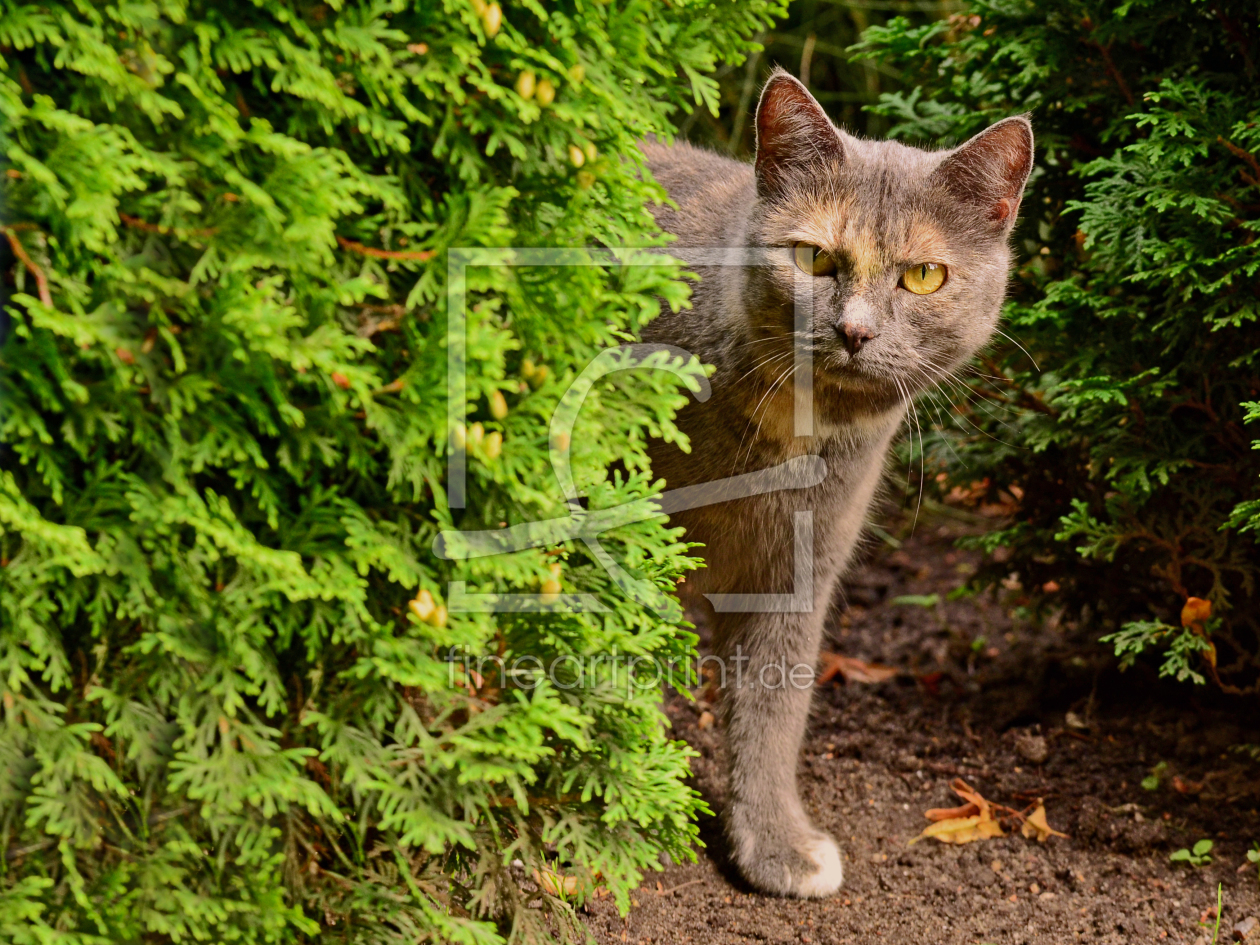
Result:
[{"x": 905, "y": 252}]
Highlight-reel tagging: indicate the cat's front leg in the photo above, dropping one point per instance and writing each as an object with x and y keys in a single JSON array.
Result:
[{"x": 770, "y": 669}]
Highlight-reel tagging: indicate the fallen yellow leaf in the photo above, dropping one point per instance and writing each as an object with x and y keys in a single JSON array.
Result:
[
  {"x": 962, "y": 830},
  {"x": 1035, "y": 827},
  {"x": 973, "y": 821}
]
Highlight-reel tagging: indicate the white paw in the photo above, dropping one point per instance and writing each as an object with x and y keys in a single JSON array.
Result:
[{"x": 828, "y": 877}]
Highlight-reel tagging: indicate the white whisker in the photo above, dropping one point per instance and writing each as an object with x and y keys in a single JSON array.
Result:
[{"x": 1019, "y": 346}]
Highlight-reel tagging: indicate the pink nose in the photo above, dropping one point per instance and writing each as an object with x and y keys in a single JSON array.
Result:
[{"x": 854, "y": 336}]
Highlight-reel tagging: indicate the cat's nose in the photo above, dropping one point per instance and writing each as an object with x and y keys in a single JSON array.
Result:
[
  {"x": 856, "y": 325},
  {"x": 854, "y": 335}
]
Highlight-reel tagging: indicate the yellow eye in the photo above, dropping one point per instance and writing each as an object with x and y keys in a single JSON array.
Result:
[
  {"x": 813, "y": 261},
  {"x": 923, "y": 279}
]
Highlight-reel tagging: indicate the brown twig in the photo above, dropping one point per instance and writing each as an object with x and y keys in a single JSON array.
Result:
[
  {"x": 1077, "y": 735},
  {"x": 1221, "y": 684},
  {"x": 1237, "y": 35},
  {"x": 1025, "y": 399},
  {"x": 422, "y": 255},
  {"x": 30, "y": 848},
  {"x": 1111, "y": 68},
  {"x": 19, "y": 251},
  {"x": 538, "y": 801},
  {"x": 368, "y": 326},
  {"x": 674, "y": 889},
  {"x": 148, "y": 227},
  {"x": 1245, "y": 155}
]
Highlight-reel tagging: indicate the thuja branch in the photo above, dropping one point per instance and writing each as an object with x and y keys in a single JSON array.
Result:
[
  {"x": 423, "y": 255},
  {"x": 19, "y": 251}
]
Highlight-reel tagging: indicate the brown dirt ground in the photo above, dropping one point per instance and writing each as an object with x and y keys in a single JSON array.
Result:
[{"x": 877, "y": 756}]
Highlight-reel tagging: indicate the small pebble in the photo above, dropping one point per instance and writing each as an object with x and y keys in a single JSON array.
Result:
[{"x": 1032, "y": 748}]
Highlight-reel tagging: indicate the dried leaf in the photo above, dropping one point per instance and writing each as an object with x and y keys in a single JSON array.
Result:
[
  {"x": 951, "y": 813},
  {"x": 705, "y": 721},
  {"x": 552, "y": 883},
  {"x": 1186, "y": 787},
  {"x": 970, "y": 795},
  {"x": 961, "y": 828},
  {"x": 1036, "y": 827},
  {"x": 932, "y": 682},
  {"x": 852, "y": 670},
  {"x": 1072, "y": 720},
  {"x": 1196, "y": 612}
]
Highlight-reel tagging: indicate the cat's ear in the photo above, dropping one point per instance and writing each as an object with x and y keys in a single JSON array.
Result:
[
  {"x": 794, "y": 135},
  {"x": 989, "y": 171}
]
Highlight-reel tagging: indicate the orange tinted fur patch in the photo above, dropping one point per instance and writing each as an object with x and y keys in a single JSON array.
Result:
[
  {"x": 812, "y": 222},
  {"x": 861, "y": 246},
  {"x": 834, "y": 227},
  {"x": 924, "y": 243}
]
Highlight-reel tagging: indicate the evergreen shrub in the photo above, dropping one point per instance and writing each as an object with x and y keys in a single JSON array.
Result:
[
  {"x": 1118, "y": 439},
  {"x": 228, "y": 710}
]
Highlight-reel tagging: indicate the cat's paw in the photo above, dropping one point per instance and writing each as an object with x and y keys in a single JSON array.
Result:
[
  {"x": 808, "y": 866},
  {"x": 824, "y": 853}
]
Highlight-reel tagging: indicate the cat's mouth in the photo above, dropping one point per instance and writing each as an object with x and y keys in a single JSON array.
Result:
[
  {"x": 855, "y": 382},
  {"x": 850, "y": 375}
]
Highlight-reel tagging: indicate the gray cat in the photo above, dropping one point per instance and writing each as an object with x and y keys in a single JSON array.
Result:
[{"x": 905, "y": 254}]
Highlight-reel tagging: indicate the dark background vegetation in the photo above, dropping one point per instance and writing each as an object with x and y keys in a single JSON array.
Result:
[{"x": 812, "y": 43}]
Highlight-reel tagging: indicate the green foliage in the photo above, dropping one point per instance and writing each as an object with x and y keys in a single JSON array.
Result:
[
  {"x": 1182, "y": 644},
  {"x": 1155, "y": 779},
  {"x": 1197, "y": 856},
  {"x": 1136, "y": 296},
  {"x": 916, "y": 600},
  {"x": 223, "y": 434}
]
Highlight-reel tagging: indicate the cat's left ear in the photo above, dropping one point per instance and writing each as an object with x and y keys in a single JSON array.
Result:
[{"x": 990, "y": 170}]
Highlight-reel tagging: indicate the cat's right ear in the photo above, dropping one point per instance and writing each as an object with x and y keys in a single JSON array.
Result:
[{"x": 794, "y": 136}]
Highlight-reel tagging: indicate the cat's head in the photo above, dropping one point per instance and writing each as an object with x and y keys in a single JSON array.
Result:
[{"x": 902, "y": 254}]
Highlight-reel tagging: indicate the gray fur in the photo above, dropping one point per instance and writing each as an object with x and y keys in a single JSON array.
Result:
[{"x": 880, "y": 207}]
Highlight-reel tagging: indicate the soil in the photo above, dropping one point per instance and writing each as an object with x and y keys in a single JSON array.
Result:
[{"x": 983, "y": 691}]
